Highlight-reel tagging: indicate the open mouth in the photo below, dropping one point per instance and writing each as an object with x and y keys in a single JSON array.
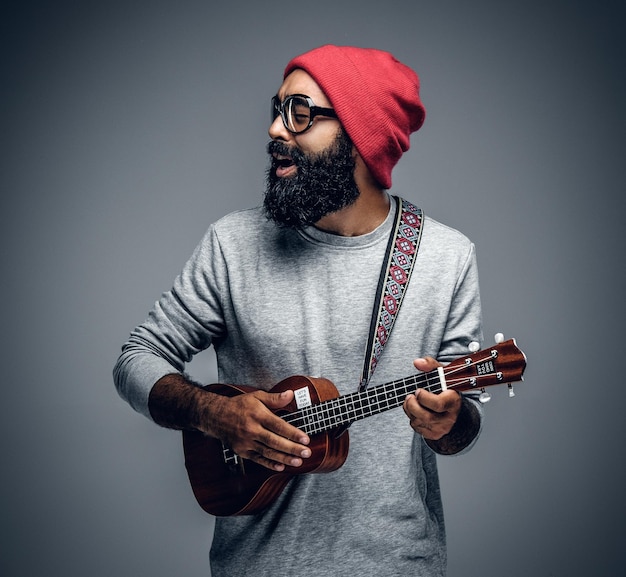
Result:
[
  {"x": 282, "y": 161},
  {"x": 284, "y": 165}
]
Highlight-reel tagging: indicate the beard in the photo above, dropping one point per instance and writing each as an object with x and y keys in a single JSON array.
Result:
[{"x": 323, "y": 184}]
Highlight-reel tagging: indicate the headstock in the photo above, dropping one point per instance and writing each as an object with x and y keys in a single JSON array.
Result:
[{"x": 503, "y": 363}]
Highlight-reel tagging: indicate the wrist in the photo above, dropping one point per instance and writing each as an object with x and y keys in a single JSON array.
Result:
[
  {"x": 463, "y": 432},
  {"x": 175, "y": 402}
]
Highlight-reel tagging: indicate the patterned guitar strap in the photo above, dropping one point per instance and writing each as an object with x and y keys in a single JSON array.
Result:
[{"x": 394, "y": 278}]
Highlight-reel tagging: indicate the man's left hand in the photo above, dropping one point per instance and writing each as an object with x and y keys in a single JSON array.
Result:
[{"x": 431, "y": 415}]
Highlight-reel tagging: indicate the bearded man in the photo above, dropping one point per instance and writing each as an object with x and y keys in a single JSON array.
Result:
[{"x": 289, "y": 288}]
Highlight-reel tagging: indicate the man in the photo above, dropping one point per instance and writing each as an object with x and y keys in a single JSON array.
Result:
[{"x": 289, "y": 289}]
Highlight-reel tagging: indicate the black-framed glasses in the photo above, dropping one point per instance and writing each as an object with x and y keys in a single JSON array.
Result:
[{"x": 298, "y": 112}]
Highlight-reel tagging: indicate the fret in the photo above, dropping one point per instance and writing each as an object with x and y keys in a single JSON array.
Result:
[
  {"x": 370, "y": 396},
  {"x": 307, "y": 418},
  {"x": 353, "y": 407},
  {"x": 360, "y": 405},
  {"x": 321, "y": 417},
  {"x": 334, "y": 412},
  {"x": 433, "y": 382}
]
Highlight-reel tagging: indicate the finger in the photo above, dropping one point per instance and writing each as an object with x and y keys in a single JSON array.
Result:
[
  {"x": 419, "y": 418},
  {"x": 275, "y": 400},
  {"x": 265, "y": 462},
  {"x": 285, "y": 432},
  {"x": 426, "y": 422},
  {"x": 270, "y": 450},
  {"x": 426, "y": 364},
  {"x": 413, "y": 410},
  {"x": 276, "y": 459},
  {"x": 271, "y": 443},
  {"x": 274, "y": 423},
  {"x": 439, "y": 403}
]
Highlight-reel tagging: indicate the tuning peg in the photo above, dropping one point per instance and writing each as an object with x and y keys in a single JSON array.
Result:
[
  {"x": 511, "y": 391},
  {"x": 499, "y": 338},
  {"x": 484, "y": 396},
  {"x": 474, "y": 347}
]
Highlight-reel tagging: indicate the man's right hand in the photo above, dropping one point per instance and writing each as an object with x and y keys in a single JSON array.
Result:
[{"x": 245, "y": 423}]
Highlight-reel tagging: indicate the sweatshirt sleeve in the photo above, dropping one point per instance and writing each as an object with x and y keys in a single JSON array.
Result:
[
  {"x": 464, "y": 322},
  {"x": 463, "y": 326},
  {"x": 184, "y": 321}
]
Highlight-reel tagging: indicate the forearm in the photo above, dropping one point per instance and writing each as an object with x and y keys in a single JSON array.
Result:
[
  {"x": 464, "y": 431},
  {"x": 176, "y": 402}
]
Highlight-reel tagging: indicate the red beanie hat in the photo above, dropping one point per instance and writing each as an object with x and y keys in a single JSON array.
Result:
[{"x": 376, "y": 98}]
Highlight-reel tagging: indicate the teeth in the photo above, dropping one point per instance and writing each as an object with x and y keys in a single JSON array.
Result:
[{"x": 283, "y": 161}]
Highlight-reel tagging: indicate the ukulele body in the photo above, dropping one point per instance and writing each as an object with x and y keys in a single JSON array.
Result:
[{"x": 225, "y": 484}]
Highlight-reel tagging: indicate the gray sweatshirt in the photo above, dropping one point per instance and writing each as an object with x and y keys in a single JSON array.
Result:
[{"x": 276, "y": 302}]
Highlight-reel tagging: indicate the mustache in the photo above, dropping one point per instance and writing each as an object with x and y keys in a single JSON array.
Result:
[{"x": 282, "y": 149}]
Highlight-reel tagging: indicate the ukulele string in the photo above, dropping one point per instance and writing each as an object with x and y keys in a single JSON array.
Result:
[{"x": 331, "y": 412}]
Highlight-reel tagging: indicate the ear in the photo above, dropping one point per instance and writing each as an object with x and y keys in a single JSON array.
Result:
[{"x": 362, "y": 175}]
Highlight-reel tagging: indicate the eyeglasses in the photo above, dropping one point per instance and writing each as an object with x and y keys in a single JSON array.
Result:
[{"x": 298, "y": 112}]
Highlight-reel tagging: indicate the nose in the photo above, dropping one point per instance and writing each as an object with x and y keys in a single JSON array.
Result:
[{"x": 277, "y": 130}]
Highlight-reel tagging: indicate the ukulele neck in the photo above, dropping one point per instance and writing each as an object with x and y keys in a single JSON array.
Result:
[{"x": 347, "y": 409}]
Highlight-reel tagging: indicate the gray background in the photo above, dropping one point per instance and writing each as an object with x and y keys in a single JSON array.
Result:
[{"x": 128, "y": 127}]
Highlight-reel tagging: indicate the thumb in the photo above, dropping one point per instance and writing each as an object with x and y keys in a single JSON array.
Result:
[
  {"x": 275, "y": 400},
  {"x": 426, "y": 364}
]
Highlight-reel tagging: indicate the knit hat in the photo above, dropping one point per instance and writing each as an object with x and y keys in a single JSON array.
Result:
[{"x": 376, "y": 98}]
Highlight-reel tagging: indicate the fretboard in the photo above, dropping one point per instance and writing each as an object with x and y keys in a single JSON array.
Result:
[{"x": 355, "y": 406}]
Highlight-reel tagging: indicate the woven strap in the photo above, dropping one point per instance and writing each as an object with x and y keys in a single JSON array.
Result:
[{"x": 394, "y": 278}]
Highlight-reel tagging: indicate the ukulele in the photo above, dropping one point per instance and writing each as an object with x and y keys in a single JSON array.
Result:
[{"x": 225, "y": 484}]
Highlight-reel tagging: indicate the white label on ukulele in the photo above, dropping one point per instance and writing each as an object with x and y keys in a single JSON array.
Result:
[{"x": 303, "y": 398}]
